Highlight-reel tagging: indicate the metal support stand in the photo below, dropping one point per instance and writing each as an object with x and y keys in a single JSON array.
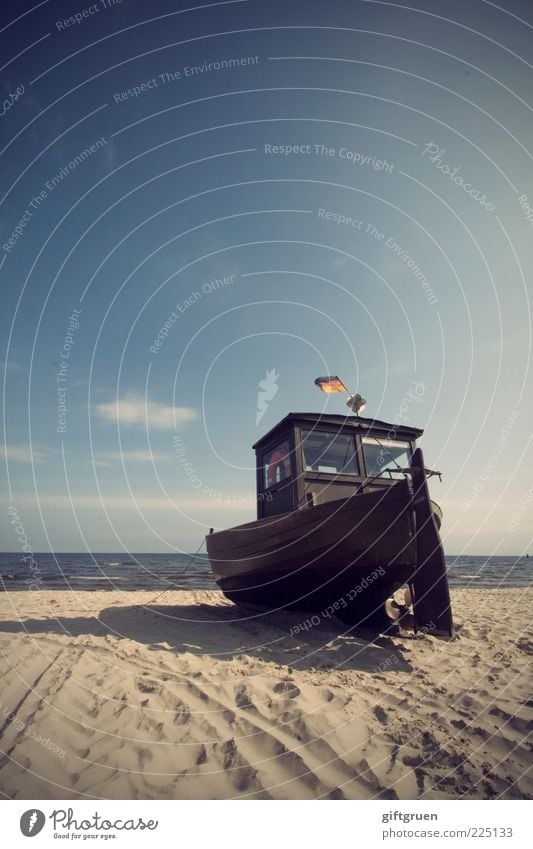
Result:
[{"x": 431, "y": 596}]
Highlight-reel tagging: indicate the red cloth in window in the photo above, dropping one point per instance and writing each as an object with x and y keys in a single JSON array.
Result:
[{"x": 278, "y": 458}]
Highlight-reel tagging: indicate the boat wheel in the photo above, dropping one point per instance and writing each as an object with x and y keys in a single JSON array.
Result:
[{"x": 399, "y": 608}]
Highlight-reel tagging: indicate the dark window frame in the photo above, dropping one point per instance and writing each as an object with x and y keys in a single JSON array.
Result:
[
  {"x": 333, "y": 432},
  {"x": 411, "y": 446}
]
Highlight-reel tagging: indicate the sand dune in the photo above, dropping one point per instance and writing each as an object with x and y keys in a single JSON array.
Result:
[{"x": 114, "y": 695}]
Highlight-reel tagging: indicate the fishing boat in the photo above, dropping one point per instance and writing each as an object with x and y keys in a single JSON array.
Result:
[{"x": 345, "y": 526}]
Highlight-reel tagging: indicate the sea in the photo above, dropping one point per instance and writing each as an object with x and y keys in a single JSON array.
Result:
[{"x": 188, "y": 571}]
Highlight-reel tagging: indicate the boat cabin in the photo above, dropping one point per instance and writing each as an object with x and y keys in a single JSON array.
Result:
[{"x": 309, "y": 458}]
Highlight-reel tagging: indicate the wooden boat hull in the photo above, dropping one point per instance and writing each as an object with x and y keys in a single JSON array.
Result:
[{"x": 347, "y": 555}]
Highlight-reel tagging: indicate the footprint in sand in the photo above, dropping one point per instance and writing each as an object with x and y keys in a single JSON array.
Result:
[
  {"x": 381, "y": 715},
  {"x": 327, "y": 695},
  {"x": 242, "y": 699},
  {"x": 147, "y": 686},
  {"x": 145, "y": 756},
  {"x": 525, "y": 645},
  {"x": 182, "y": 714},
  {"x": 286, "y": 688}
]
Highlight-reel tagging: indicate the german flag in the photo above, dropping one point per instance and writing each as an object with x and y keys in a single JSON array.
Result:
[{"x": 330, "y": 384}]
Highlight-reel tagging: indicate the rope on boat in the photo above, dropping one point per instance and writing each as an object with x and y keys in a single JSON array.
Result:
[{"x": 151, "y": 601}]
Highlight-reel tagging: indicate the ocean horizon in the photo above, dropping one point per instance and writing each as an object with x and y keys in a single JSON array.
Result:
[{"x": 159, "y": 571}]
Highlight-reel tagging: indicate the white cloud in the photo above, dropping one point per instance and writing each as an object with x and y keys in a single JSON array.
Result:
[
  {"x": 336, "y": 264},
  {"x": 399, "y": 368},
  {"x": 135, "y": 411},
  {"x": 128, "y": 503},
  {"x": 23, "y": 454},
  {"x": 109, "y": 458}
]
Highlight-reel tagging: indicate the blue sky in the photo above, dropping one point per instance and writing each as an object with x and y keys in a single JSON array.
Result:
[{"x": 343, "y": 188}]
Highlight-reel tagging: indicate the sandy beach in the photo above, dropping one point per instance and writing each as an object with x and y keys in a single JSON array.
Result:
[{"x": 115, "y": 695}]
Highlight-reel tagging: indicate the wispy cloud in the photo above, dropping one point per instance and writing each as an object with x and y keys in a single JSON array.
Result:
[
  {"x": 131, "y": 504},
  {"x": 135, "y": 411},
  {"x": 10, "y": 364},
  {"x": 23, "y": 454},
  {"x": 109, "y": 458},
  {"x": 336, "y": 264},
  {"x": 396, "y": 369}
]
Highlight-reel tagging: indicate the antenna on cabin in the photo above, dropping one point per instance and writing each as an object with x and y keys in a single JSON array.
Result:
[
  {"x": 356, "y": 403},
  {"x": 331, "y": 384}
]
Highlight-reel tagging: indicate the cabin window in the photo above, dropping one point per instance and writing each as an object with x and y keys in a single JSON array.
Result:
[
  {"x": 333, "y": 453},
  {"x": 384, "y": 456},
  {"x": 276, "y": 464}
]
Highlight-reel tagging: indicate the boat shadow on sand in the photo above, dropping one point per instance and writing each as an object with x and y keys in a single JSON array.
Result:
[{"x": 227, "y": 632}]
